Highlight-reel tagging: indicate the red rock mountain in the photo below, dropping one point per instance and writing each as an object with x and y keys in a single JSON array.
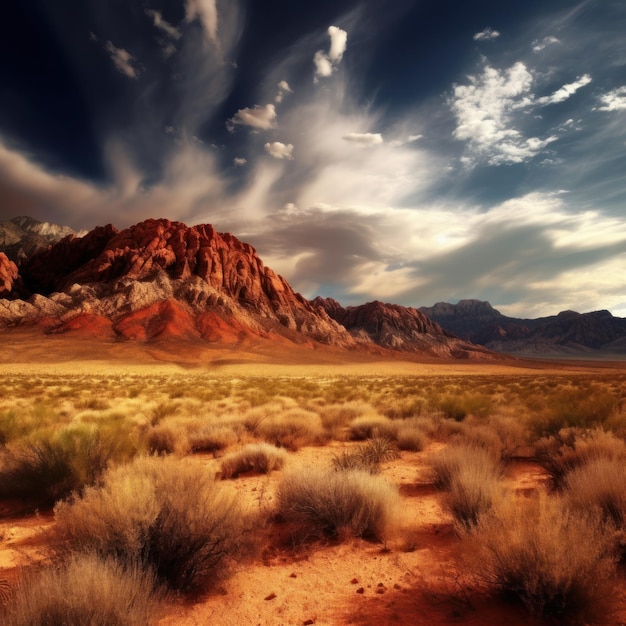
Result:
[
  {"x": 399, "y": 328},
  {"x": 165, "y": 279}
]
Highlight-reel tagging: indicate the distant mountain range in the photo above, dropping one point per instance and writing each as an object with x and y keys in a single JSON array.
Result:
[
  {"x": 164, "y": 280},
  {"x": 566, "y": 333},
  {"x": 161, "y": 279}
]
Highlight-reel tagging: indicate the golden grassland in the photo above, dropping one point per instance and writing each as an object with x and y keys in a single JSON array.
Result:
[{"x": 179, "y": 480}]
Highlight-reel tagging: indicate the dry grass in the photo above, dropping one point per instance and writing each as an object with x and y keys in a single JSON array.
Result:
[
  {"x": 556, "y": 562},
  {"x": 255, "y": 457},
  {"x": 158, "y": 513},
  {"x": 451, "y": 461},
  {"x": 85, "y": 591},
  {"x": 369, "y": 426},
  {"x": 331, "y": 503}
]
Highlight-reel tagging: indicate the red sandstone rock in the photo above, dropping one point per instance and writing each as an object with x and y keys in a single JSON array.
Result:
[{"x": 8, "y": 275}]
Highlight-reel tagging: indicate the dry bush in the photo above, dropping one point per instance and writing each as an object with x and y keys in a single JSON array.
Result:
[
  {"x": 451, "y": 461},
  {"x": 255, "y": 457},
  {"x": 479, "y": 436},
  {"x": 586, "y": 406},
  {"x": 330, "y": 503},
  {"x": 86, "y": 591},
  {"x": 160, "y": 513},
  {"x": 367, "y": 456},
  {"x": 166, "y": 438},
  {"x": 599, "y": 484},
  {"x": 558, "y": 563},
  {"x": 369, "y": 426},
  {"x": 51, "y": 465},
  {"x": 403, "y": 408},
  {"x": 211, "y": 438},
  {"x": 292, "y": 429},
  {"x": 474, "y": 491},
  {"x": 572, "y": 447},
  {"x": 336, "y": 417},
  {"x": 410, "y": 436},
  {"x": 458, "y": 406},
  {"x": 513, "y": 434}
]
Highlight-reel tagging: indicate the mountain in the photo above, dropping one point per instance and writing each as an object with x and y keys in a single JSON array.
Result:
[
  {"x": 398, "y": 327},
  {"x": 567, "y": 332},
  {"x": 21, "y": 237},
  {"x": 162, "y": 279}
]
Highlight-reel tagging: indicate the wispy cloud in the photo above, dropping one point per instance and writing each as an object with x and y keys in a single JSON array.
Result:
[
  {"x": 614, "y": 100},
  {"x": 487, "y": 34},
  {"x": 124, "y": 61},
  {"x": 162, "y": 24},
  {"x": 260, "y": 117},
  {"x": 206, "y": 12},
  {"x": 566, "y": 91},
  {"x": 364, "y": 139},
  {"x": 283, "y": 88},
  {"x": 538, "y": 46}
]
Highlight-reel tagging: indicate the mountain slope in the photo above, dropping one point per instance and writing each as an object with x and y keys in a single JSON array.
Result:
[
  {"x": 567, "y": 332},
  {"x": 399, "y": 328}
]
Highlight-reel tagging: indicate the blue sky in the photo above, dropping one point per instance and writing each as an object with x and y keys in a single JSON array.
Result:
[{"x": 413, "y": 152}]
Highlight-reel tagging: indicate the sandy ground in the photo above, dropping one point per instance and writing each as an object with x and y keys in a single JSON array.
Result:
[{"x": 413, "y": 579}]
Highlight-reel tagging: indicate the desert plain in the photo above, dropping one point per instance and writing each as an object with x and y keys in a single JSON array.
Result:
[{"x": 425, "y": 431}]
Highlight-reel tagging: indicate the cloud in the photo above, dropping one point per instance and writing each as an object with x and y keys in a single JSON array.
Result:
[
  {"x": 261, "y": 117},
  {"x": 486, "y": 34},
  {"x": 538, "y": 46},
  {"x": 124, "y": 61},
  {"x": 326, "y": 63},
  {"x": 206, "y": 12},
  {"x": 279, "y": 150},
  {"x": 566, "y": 91},
  {"x": 364, "y": 139},
  {"x": 283, "y": 88},
  {"x": 163, "y": 25},
  {"x": 239, "y": 161},
  {"x": 491, "y": 109},
  {"x": 614, "y": 100}
]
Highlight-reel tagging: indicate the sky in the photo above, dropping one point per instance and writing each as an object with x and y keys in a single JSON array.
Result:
[{"x": 412, "y": 151}]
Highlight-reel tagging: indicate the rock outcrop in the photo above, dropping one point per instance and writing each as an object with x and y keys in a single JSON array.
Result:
[
  {"x": 399, "y": 328},
  {"x": 8, "y": 276}
]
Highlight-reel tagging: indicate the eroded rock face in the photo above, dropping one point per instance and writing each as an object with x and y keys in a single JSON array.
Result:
[
  {"x": 118, "y": 273},
  {"x": 8, "y": 276},
  {"x": 399, "y": 328}
]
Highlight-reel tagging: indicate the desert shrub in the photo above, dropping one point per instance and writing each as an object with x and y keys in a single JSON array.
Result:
[
  {"x": 160, "y": 513},
  {"x": 85, "y": 591},
  {"x": 573, "y": 407},
  {"x": 410, "y": 436},
  {"x": 403, "y": 408},
  {"x": 367, "y": 456},
  {"x": 512, "y": 432},
  {"x": 255, "y": 457},
  {"x": 50, "y": 465},
  {"x": 449, "y": 462},
  {"x": 479, "y": 436},
  {"x": 473, "y": 492},
  {"x": 599, "y": 484},
  {"x": 369, "y": 426},
  {"x": 557, "y": 562},
  {"x": 331, "y": 503},
  {"x": 166, "y": 438},
  {"x": 572, "y": 447},
  {"x": 211, "y": 438},
  {"x": 335, "y": 417},
  {"x": 292, "y": 429},
  {"x": 458, "y": 406}
]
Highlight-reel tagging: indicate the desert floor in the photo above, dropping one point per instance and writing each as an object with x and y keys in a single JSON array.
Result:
[{"x": 414, "y": 578}]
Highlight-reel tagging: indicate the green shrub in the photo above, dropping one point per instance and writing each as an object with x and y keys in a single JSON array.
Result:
[
  {"x": 255, "y": 457},
  {"x": 86, "y": 591},
  {"x": 557, "y": 562},
  {"x": 330, "y": 503},
  {"x": 159, "y": 513}
]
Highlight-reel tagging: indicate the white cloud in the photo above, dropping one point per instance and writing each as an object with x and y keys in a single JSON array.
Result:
[
  {"x": 614, "y": 100},
  {"x": 326, "y": 63},
  {"x": 163, "y": 25},
  {"x": 124, "y": 61},
  {"x": 239, "y": 161},
  {"x": 283, "y": 88},
  {"x": 364, "y": 139},
  {"x": 279, "y": 150},
  {"x": 486, "y": 34},
  {"x": 538, "y": 46},
  {"x": 566, "y": 91},
  {"x": 261, "y": 117},
  {"x": 206, "y": 12}
]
